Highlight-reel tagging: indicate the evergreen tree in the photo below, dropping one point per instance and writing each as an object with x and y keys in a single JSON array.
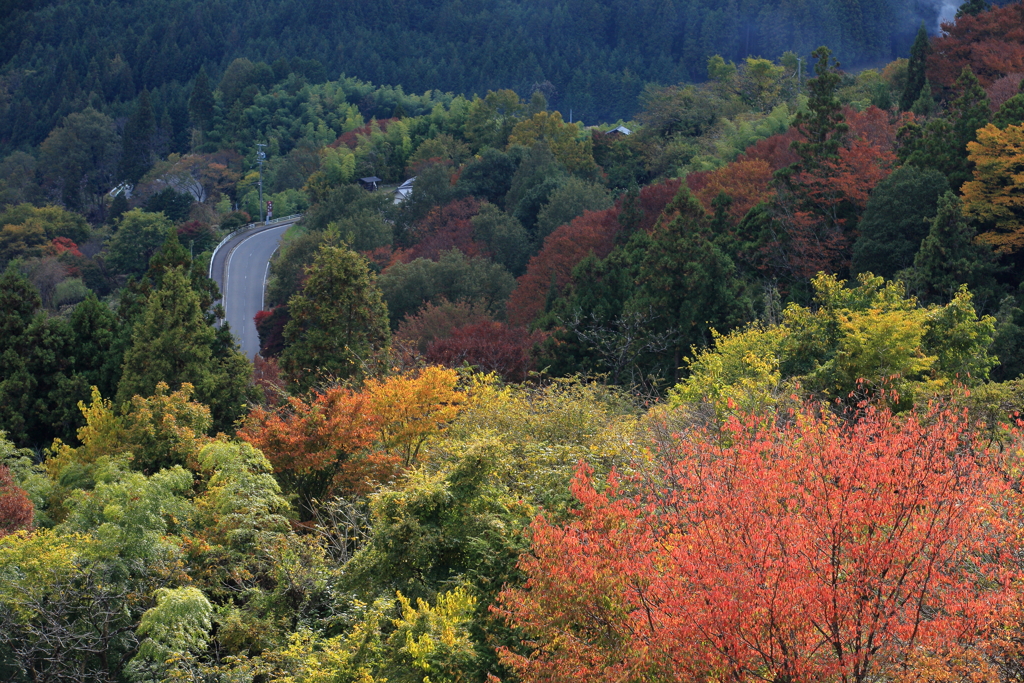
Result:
[
  {"x": 685, "y": 279},
  {"x": 896, "y": 219},
  {"x": 973, "y": 8},
  {"x": 942, "y": 143},
  {"x": 916, "y": 80},
  {"x": 201, "y": 103},
  {"x": 339, "y": 320},
  {"x": 925, "y": 104},
  {"x": 1011, "y": 113},
  {"x": 822, "y": 124},
  {"x": 137, "y": 141},
  {"x": 94, "y": 327},
  {"x": 173, "y": 343},
  {"x": 950, "y": 257}
]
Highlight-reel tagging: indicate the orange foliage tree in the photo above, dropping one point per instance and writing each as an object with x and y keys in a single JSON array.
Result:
[
  {"x": 593, "y": 232},
  {"x": 991, "y": 43},
  {"x": 316, "y": 445},
  {"x": 814, "y": 551},
  {"x": 995, "y": 196},
  {"x": 344, "y": 441},
  {"x": 747, "y": 183},
  {"x": 16, "y": 509}
]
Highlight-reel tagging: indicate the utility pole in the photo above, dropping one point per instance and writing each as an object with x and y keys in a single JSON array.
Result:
[{"x": 261, "y": 156}]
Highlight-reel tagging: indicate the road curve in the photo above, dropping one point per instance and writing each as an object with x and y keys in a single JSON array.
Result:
[{"x": 240, "y": 267}]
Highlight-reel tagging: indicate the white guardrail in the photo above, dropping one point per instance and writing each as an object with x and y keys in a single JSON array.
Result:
[{"x": 245, "y": 228}]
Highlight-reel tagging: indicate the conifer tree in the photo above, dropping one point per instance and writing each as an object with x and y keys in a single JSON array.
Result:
[
  {"x": 137, "y": 141},
  {"x": 201, "y": 103},
  {"x": 916, "y": 70},
  {"x": 950, "y": 257},
  {"x": 973, "y": 8},
  {"x": 173, "y": 343}
]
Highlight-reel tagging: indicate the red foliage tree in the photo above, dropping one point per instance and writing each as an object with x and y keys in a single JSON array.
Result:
[
  {"x": 563, "y": 249},
  {"x": 776, "y": 150},
  {"x": 489, "y": 346},
  {"x": 16, "y": 509},
  {"x": 351, "y": 138},
  {"x": 436, "y": 321},
  {"x": 63, "y": 245},
  {"x": 991, "y": 43},
  {"x": 827, "y": 200},
  {"x": 270, "y": 327},
  {"x": 593, "y": 232},
  {"x": 814, "y": 551},
  {"x": 316, "y": 445},
  {"x": 445, "y": 228}
]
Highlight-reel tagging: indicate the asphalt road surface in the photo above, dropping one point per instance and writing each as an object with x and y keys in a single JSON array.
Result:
[{"x": 240, "y": 268}]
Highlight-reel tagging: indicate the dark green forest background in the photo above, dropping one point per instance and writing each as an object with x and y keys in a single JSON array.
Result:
[{"x": 591, "y": 56}]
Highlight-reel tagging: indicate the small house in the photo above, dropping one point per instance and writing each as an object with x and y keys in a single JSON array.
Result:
[
  {"x": 370, "y": 183},
  {"x": 404, "y": 191}
]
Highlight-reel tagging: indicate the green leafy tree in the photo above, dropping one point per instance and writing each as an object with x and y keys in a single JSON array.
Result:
[
  {"x": 79, "y": 157},
  {"x": 177, "y": 628},
  {"x": 339, "y": 320},
  {"x": 139, "y": 235},
  {"x": 569, "y": 201},
  {"x": 505, "y": 237},
  {"x": 454, "y": 277}
]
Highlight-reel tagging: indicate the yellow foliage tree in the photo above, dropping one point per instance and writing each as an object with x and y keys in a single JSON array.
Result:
[
  {"x": 412, "y": 408},
  {"x": 996, "y": 195},
  {"x": 568, "y": 143}
]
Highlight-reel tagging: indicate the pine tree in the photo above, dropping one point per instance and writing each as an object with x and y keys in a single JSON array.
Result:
[
  {"x": 950, "y": 257},
  {"x": 916, "y": 70},
  {"x": 338, "y": 322},
  {"x": 173, "y": 343},
  {"x": 823, "y": 124},
  {"x": 137, "y": 141},
  {"x": 973, "y": 8},
  {"x": 201, "y": 103}
]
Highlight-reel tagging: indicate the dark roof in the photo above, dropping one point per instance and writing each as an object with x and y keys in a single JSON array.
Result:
[{"x": 371, "y": 179}]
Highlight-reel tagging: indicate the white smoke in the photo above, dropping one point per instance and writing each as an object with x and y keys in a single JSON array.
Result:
[{"x": 947, "y": 12}]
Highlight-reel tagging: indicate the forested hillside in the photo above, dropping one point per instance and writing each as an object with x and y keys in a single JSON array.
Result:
[
  {"x": 594, "y": 56},
  {"x": 728, "y": 388}
]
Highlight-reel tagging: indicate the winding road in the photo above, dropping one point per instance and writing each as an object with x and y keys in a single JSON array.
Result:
[{"x": 240, "y": 266}]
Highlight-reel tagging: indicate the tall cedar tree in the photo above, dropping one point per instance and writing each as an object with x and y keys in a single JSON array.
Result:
[
  {"x": 173, "y": 343},
  {"x": 916, "y": 68},
  {"x": 339, "y": 320},
  {"x": 137, "y": 141},
  {"x": 201, "y": 103},
  {"x": 950, "y": 256}
]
